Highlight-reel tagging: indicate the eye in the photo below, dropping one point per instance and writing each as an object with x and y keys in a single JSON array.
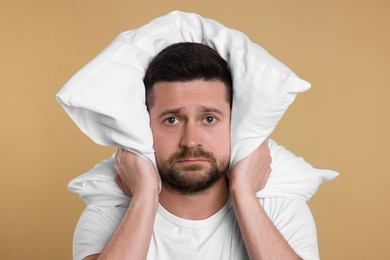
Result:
[
  {"x": 210, "y": 120},
  {"x": 171, "y": 121}
]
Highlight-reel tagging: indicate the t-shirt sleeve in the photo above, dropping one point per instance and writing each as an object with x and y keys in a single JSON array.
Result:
[
  {"x": 95, "y": 228},
  {"x": 293, "y": 218}
]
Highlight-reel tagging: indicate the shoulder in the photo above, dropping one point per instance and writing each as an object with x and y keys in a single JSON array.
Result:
[
  {"x": 95, "y": 228},
  {"x": 293, "y": 218}
]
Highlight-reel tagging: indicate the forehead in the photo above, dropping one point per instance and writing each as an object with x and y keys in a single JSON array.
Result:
[{"x": 195, "y": 93}]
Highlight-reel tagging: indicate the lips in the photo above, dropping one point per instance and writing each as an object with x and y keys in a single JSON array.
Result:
[{"x": 193, "y": 160}]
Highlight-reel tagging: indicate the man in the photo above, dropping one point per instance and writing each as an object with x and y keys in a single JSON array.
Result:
[{"x": 199, "y": 213}]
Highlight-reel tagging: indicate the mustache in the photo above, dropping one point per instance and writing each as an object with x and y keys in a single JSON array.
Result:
[{"x": 191, "y": 153}]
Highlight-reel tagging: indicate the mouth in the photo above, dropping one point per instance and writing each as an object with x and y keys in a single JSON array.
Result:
[{"x": 192, "y": 161}]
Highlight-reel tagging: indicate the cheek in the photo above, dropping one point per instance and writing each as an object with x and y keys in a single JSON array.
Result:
[
  {"x": 163, "y": 146},
  {"x": 221, "y": 144}
]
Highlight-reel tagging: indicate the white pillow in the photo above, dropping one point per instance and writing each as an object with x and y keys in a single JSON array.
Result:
[
  {"x": 290, "y": 176},
  {"x": 106, "y": 99}
]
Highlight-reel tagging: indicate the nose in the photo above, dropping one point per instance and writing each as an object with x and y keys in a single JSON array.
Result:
[{"x": 190, "y": 136}]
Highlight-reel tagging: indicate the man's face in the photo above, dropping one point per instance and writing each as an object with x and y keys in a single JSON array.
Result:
[{"x": 190, "y": 122}]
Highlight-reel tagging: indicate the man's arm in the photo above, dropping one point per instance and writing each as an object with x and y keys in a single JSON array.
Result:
[
  {"x": 262, "y": 238},
  {"x": 139, "y": 180}
]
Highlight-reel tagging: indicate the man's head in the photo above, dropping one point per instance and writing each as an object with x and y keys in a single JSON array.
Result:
[
  {"x": 187, "y": 61},
  {"x": 189, "y": 90}
]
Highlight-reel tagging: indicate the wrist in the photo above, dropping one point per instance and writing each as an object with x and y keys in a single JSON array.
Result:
[
  {"x": 241, "y": 196},
  {"x": 146, "y": 197},
  {"x": 241, "y": 188},
  {"x": 149, "y": 189}
]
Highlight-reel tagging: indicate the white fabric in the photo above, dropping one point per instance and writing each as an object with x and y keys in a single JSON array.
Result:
[
  {"x": 106, "y": 98},
  {"x": 217, "y": 237}
]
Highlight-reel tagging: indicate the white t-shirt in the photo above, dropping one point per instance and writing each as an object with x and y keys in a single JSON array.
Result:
[{"x": 217, "y": 237}]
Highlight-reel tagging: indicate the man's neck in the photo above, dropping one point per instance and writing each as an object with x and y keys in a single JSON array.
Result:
[{"x": 196, "y": 207}]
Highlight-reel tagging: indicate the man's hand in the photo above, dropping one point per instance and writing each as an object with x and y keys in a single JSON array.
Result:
[
  {"x": 251, "y": 173},
  {"x": 261, "y": 237},
  {"x": 137, "y": 178},
  {"x": 134, "y": 173}
]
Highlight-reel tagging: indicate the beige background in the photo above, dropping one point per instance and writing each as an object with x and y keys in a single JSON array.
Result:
[{"x": 342, "y": 123}]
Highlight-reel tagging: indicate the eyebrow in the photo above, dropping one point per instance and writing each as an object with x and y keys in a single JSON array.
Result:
[
  {"x": 170, "y": 111},
  {"x": 204, "y": 109}
]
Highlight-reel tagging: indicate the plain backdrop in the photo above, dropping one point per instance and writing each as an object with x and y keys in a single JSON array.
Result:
[{"x": 342, "y": 123}]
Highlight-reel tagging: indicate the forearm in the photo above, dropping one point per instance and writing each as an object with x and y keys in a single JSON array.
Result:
[
  {"x": 132, "y": 238},
  {"x": 262, "y": 239}
]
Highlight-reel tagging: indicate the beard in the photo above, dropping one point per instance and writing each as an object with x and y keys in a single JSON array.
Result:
[{"x": 192, "y": 179}]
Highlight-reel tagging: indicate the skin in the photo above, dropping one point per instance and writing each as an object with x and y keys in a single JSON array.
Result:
[{"x": 190, "y": 115}]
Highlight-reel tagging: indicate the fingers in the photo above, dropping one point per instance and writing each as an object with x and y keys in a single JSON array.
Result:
[
  {"x": 119, "y": 172},
  {"x": 135, "y": 173},
  {"x": 119, "y": 155},
  {"x": 120, "y": 159},
  {"x": 265, "y": 148},
  {"x": 266, "y": 153},
  {"x": 122, "y": 186}
]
